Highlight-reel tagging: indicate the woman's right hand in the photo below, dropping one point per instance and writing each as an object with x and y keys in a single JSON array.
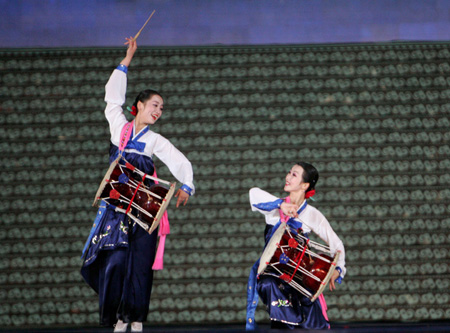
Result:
[
  {"x": 132, "y": 47},
  {"x": 289, "y": 209}
]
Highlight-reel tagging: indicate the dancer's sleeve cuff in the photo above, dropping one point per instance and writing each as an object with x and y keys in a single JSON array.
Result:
[
  {"x": 269, "y": 206},
  {"x": 122, "y": 68},
  {"x": 339, "y": 279},
  {"x": 186, "y": 189}
]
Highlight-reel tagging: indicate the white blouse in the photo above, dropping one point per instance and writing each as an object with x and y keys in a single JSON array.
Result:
[
  {"x": 311, "y": 218},
  {"x": 155, "y": 143}
]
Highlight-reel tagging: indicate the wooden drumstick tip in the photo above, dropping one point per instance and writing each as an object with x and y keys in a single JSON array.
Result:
[{"x": 139, "y": 32}]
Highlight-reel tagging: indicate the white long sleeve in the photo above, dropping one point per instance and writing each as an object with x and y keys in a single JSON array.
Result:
[
  {"x": 313, "y": 220},
  {"x": 259, "y": 196},
  {"x": 115, "y": 94},
  {"x": 178, "y": 164}
]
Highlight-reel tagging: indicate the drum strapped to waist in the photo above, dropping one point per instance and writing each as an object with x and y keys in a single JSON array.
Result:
[
  {"x": 289, "y": 256},
  {"x": 124, "y": 190}
]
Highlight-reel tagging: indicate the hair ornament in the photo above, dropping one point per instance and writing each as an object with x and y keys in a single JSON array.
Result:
[
  {"x": 310, "y": 194},
  {"x": 132, "y": 110}
]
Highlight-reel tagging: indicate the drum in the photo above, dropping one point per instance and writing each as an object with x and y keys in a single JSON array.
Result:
[
  {"x": 289, "y": 256},
  {"x": 123, "y": 189}
]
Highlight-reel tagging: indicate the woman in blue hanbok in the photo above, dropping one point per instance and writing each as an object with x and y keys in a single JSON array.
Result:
[
  {"x": 119, "y": 254},
  {"x": 287, "y": 307}
]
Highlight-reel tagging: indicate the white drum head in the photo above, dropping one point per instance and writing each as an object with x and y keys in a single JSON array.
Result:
[{"x": 271, "y": 248}]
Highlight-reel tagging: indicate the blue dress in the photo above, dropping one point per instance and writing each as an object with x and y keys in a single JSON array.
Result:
[{"x": 118, "y": 260}]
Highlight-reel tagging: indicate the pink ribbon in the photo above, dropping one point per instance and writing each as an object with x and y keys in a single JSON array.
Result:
[
  {"x": 323, "y": 305},
  {"x": 164, "y": 229}
]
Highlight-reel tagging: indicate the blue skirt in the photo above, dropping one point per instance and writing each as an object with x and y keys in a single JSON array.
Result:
[
  {"x": 117, "y": 264},
  {"x": 286, "y": 305}
]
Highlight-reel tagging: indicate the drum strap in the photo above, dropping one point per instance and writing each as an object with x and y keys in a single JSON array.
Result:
[{"x": 125, "y": 136}]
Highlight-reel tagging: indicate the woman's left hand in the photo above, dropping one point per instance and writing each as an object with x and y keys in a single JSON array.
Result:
[
  {"x": 333, "y": 279},
  {"x": 289, "y": 209},
  {"x": 182, "y": 197}
]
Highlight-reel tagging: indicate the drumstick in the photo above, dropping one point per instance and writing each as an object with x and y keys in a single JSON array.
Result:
[{"x": 139, "y": 32}]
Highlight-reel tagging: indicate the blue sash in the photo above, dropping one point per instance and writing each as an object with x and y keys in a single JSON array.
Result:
[{"x": 134, "y": 144}]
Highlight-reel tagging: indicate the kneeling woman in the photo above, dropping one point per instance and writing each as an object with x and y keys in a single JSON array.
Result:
[{"x": 287, "y": 307}]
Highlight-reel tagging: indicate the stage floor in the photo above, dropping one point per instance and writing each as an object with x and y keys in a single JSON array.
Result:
[{"x": 442, "y": 326}]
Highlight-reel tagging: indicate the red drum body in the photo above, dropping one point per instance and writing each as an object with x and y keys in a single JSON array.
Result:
[
  {"x": 289, "y": 256},
  {"x": 123, "y": 188}
]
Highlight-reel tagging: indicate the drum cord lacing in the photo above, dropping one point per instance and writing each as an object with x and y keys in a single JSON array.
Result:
[
  {"x": 134, "y": 194},
  {"x": 298, "y": 262}
]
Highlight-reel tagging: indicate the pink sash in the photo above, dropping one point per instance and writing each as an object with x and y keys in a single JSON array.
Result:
[
  {"x": 164, "y": 227},
  {"x": 125, "y": 136},
  {"x": 323, "y": 305}
]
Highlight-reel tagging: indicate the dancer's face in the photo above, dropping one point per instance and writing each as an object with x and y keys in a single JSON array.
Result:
[
  {"x": 150, "y": 111},
  {"x": 294, "y": 180}
]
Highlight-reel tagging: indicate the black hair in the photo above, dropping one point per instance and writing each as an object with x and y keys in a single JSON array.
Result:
[
  {"x": 144, "y": 96},
  {"x": 310, "y": 175}
]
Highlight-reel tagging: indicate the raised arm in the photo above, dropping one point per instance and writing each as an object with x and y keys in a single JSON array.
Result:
[
  {"x": 116, "y": 93},
  {"x": 132, "y": 47}
]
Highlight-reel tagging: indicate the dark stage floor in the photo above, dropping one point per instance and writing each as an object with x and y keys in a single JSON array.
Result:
[{"x": 341, "y": 328}]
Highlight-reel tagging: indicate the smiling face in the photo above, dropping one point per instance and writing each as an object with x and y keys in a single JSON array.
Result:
[
  {"x": 294, "y": 180},
  {"x": 150, "y": 111}
]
